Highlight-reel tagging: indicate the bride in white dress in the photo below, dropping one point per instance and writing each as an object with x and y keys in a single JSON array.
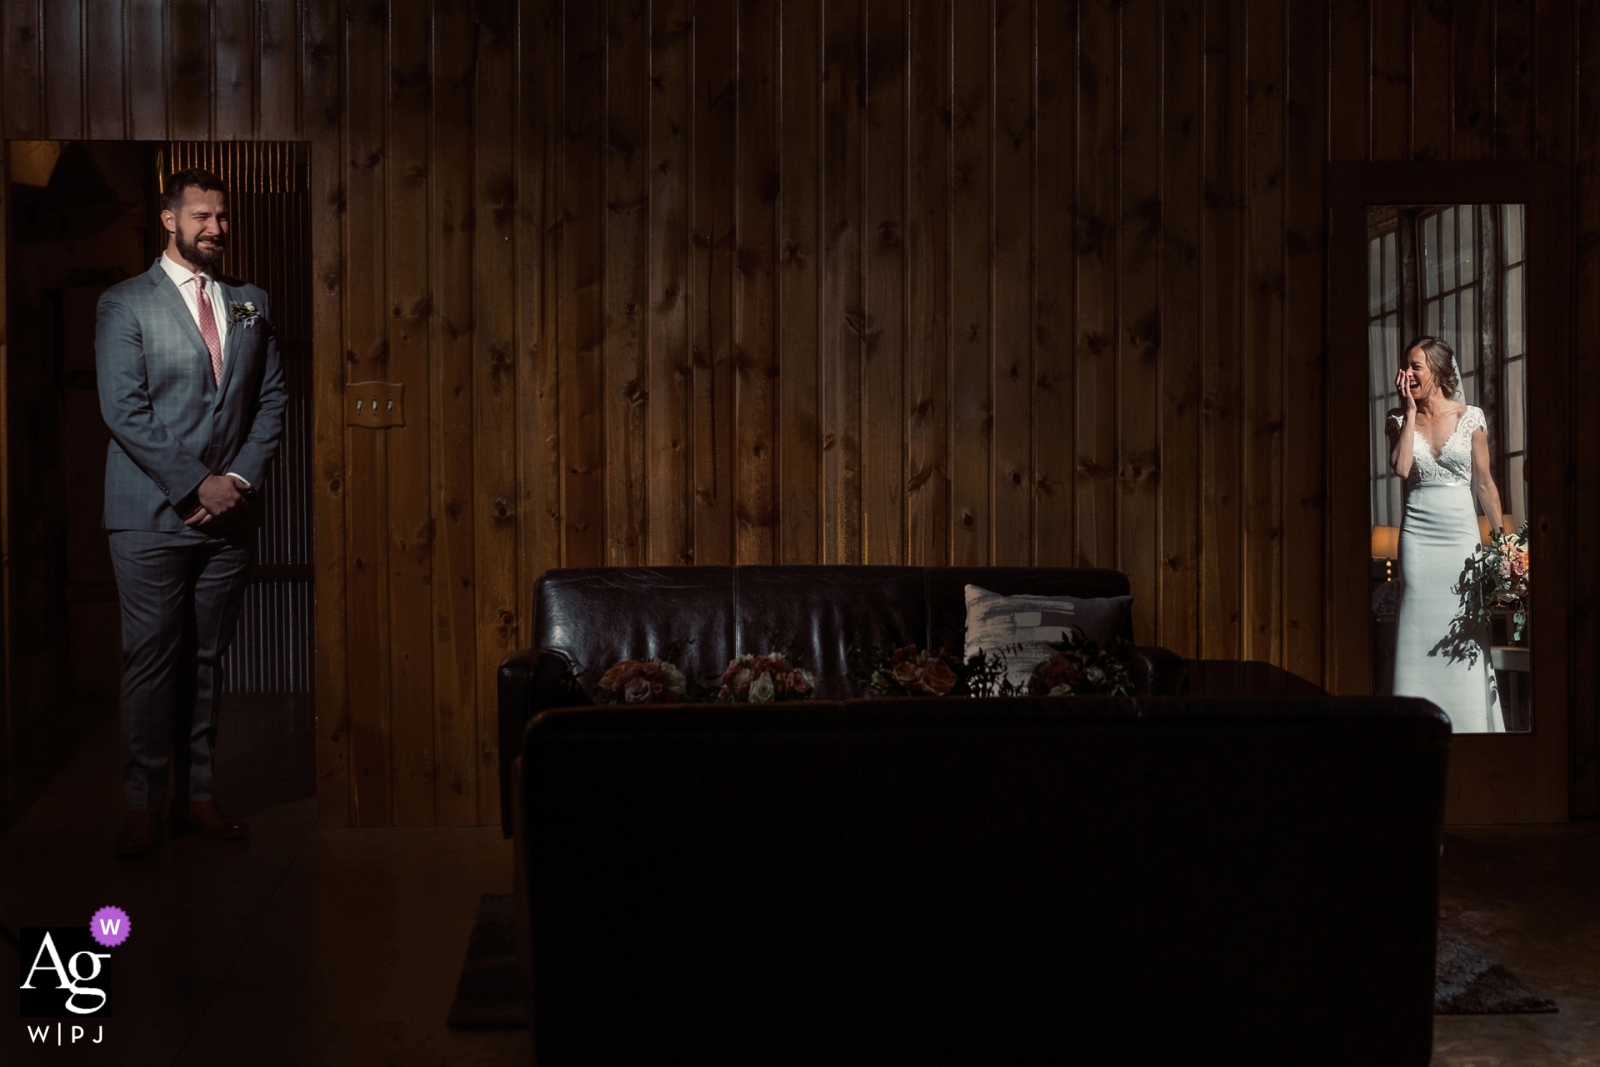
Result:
[{"x": 1440, "y": 448}]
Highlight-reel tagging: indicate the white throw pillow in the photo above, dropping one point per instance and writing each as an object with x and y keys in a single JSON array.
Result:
[{"x": 1022, "y": 628}]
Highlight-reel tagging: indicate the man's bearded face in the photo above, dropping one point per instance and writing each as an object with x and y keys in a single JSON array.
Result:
[{"x": 202, "y": 227}]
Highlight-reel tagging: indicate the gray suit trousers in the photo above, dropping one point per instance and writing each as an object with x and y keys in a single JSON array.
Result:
[{"x": 181, "y": 595}]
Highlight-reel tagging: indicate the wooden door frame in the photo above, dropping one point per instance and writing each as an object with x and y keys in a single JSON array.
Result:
[{"x": 1493, "y": 777}]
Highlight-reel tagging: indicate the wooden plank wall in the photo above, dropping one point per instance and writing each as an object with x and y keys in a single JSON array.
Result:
[{"x": 933, "y": 281}]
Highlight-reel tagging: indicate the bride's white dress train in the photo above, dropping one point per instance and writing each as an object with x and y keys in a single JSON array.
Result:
[{"x": 1437, "y": 655}]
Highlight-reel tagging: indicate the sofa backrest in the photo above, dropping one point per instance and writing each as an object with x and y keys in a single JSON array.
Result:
[
  {"x": 994, "y": 881},
  {"x": 596, "y": 616}
]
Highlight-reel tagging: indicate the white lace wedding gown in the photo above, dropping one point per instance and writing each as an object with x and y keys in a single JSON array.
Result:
[{"x": 1437, "y": 655}]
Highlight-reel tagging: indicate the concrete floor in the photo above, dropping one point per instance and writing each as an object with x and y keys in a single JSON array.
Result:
[{"x": 306, "y": 946}]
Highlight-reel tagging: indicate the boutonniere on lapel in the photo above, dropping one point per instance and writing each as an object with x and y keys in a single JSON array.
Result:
[{"x": 244, "y": 313}]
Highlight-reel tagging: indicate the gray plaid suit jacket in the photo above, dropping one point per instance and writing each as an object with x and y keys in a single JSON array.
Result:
[{"x": 171, "y": 424}]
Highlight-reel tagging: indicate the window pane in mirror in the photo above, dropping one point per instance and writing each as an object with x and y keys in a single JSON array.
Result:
[
  {"x": 1468, "y": 214},
  {"x": 1516, "y": 433},
  {"x": 1432, "y": 327},
  {"x": 1374, "y": 277},
  {"x": 1467, "y": 351},
  {"x": 1430, "y": 255},
  {"x": 1512, "y": 234},
  {"x": 1391, "y": 275},
  {"x": 1447, "y": 321},
  {"x": 1447, "y": 249},
  {"x": 1519, "y": 493},
  {"x": 1514, "y": 339}
]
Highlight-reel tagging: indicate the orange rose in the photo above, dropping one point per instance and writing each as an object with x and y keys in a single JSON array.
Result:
[
  {"x": 938, "y": 678},
  {"x": 905, "y": 672}
]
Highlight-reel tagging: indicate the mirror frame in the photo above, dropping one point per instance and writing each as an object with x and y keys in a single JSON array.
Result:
[{"x": 1523, "y": 777}]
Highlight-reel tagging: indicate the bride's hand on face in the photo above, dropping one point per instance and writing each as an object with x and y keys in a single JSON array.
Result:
[{"x": 1402, "y": 382}]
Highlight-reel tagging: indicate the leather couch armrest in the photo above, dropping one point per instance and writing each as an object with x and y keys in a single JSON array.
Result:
[
  {"x": 1159, "y": 672},
  {"x": 529, "y": 681}
]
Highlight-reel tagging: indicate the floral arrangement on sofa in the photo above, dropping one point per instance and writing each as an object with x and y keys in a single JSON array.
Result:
[
  {"x": 767, "y": 679},
  {"x": 1081, "y": 667},
  {"x": 909, "y": 671}
]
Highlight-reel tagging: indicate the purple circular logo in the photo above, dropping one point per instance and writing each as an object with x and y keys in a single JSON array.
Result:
[{"x": 110, "y": 926}]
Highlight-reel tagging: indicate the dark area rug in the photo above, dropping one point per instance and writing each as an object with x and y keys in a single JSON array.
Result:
[
  {"x": 1467, "y": 982},
  {"x": 489, "y": 996}
]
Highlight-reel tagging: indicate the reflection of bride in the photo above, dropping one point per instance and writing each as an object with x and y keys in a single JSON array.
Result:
[{"x": 1440, "y": 447}]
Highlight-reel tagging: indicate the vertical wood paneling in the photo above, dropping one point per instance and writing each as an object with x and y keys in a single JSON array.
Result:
[
  {"x": 1055, "y": 286},
  {"x": 1220, "y": 337},
  {"x": 24, "y": 89},
  {"x": 278, "y": 58},
  {"x": 1098, "y": 118},
  {"x": 971, "y": 248},
  {"x": 1391, "y": 76},
  {"x": 494, "y": 382},
  {"x": 105, "y": 83},
  {"x": 756, "y": 339},
  {"x": 1179, "y": 359},
  {"x": 1262, "y": 320},
  {"x": 1350, "y": 79},
  {"x": 453, "y": 616},
  {"x": 538, "y": 381},
  {"x": 236, "y": 48},
  {"x": 1585, "y": 622},
  {"x": 927, "y": 251},
  {"x": 800, "y": 247},
  {"x": 323, "y": 73},
  {"x": 1430, "y": 74},
  {"x": 410, "y": 520},
  {"x": 1514, "y": 79},
  {"x": 1303, "y": 343},
  {"x": 1474, "y": 78},
  {"x": 1140, "y": 191},
  {"x": 63, "y": 69},
  {"x": 756, "y": 225},
  {"x": 884, "y": 323},
  {"x": 1556, "y": 35},
  {"x": 716, "y": 95},
  {"x": 190, "y": 53},
  {"x": 367, "y": 359},
  {"x": 843, "y": 326},
  {"x": 627, "y": 289},
  {"x": 144, "y": 22},
  {"x": 1011, "y": 360},
  {"x": 582, "y": 224},
  {"x": 671, "y": 530}
]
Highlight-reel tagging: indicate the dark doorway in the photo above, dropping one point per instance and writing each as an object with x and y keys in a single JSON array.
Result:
[{"x": 83, "y": 216}]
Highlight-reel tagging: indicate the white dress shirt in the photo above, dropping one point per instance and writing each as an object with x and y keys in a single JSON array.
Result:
[{"x": 184, "y": 278}]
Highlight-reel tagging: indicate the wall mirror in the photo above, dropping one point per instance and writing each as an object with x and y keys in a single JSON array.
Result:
[
  {"x": 1451, "y": 607},
  {"x": 1477, "y": 256}
]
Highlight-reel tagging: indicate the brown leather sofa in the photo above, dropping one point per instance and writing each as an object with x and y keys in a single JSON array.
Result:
[
  {"x": 596, "y": 616},
  {"x": 1096, "y": 881}
]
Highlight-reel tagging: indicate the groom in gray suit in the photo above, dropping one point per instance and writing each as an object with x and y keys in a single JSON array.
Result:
[{"x": 192, "y": 389}]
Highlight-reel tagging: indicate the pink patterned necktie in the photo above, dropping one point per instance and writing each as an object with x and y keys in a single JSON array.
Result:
[{"x": 208, "y": 327}]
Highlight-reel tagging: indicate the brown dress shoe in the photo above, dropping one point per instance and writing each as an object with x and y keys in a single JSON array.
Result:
[
  {"x": 207, "y": 820},
  {"x": 138, "y": 837}
]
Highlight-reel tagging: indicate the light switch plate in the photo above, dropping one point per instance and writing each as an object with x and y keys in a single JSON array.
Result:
[{"x": 374, "y": 404}]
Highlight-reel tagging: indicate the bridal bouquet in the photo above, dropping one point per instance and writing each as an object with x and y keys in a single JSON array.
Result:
[
  {"x": 912, "y": 672},
  {"x": 1080, "y": 667},
  {"x": 1497, "y": 574},
  {"x": 657, "y": 680},
  {"x": 765, "y": 679},
  {"x": 642, "y": 681}
]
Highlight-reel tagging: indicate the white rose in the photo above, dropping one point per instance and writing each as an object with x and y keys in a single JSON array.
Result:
[{"x": 762, "y": 690}]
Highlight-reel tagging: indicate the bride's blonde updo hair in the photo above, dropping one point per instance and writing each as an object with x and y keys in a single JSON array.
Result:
[{"x": 1441, "y": 361}]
